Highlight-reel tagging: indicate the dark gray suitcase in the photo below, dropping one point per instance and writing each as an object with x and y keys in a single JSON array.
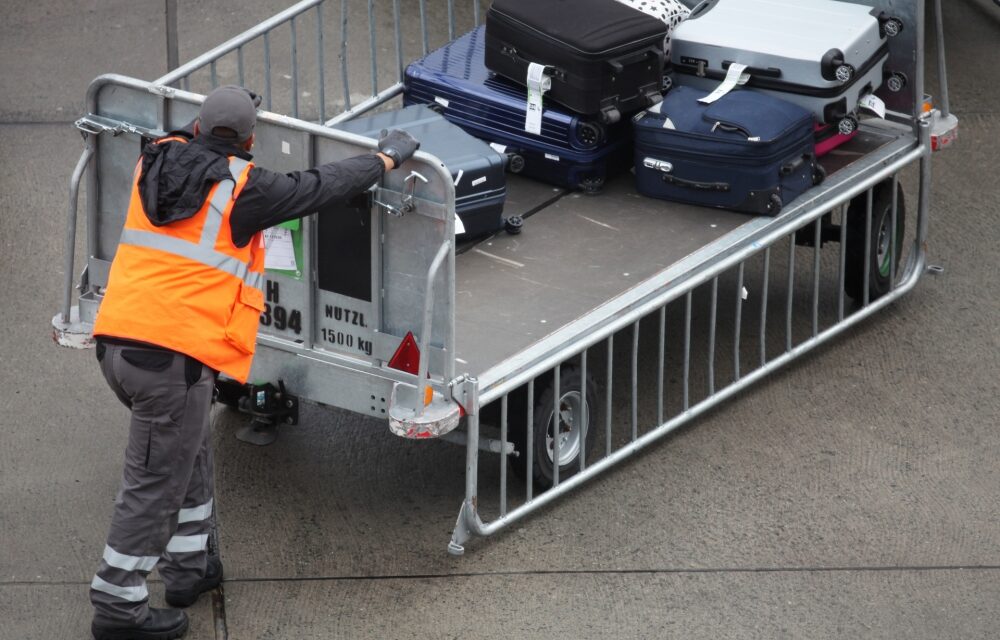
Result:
[
  {"x": 823, "y": 55},
  {"x": 478, "y": 170}
]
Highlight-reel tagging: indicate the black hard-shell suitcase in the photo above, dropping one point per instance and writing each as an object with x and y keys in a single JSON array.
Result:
[
  {"x": 478, "y": 170},
  {"x": 571, "y": 151},
  {"x": 602, "y": 57}
]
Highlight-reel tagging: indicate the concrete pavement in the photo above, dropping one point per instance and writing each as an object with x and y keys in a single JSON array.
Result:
[{"x": 862, "y": 507}]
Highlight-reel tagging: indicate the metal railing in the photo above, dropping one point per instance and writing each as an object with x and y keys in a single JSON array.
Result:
[
  {"x": 820, "y": 317},
  {"x": 282, "y": 32}
]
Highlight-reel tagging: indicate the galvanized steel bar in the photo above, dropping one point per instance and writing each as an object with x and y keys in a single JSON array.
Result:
[
  {"x": 711, "y": 335},
  {"x": 868, "y": 244},
  {"x": 253, "y": 33},
  {"x": 739, "y": 323},
  {"x": 320, "y": 60},
  {"x": 529, "y": 441},
  {"x": 815, "y": 299},
  {"x": 367, "y": 105},
  {"x": 893, "y": 230},
  {"x": 451, "y": 20},
  {"x": 475, "y": 12},
  {"x": 607, "y": 394},
  {"x": 763, "y": 306},
  {"x": 942, "y": 67},
  {"x": 687, "y": 349},
  {"x": 791, "y": 292},
  {"x": 295, "y": 69},
  {"x": 556, "y": 428},
  {"x": 425, "y": 327},
  {"x": 843, "y": 262},
  {"x": 70, "y": 244},
  {"x": 240, "y": 66},
  {"x": 660, "y": 373},
  {"x": 267, "y": 70},
  {"x": 173, "y": 55},
  {"x": 635, "y": 380},
  {"x": 399, "y": 41},
  {"x": 585, "y": 414},
  {"x": 503, "y": 457},
  {"x": 423, "y": 27},
  {"x": 374, "y": 46},
  {"x": 343, "y": 54},
  {"x": 214, "y": 75}
]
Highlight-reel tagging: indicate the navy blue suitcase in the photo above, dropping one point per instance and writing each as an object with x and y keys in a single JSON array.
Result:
[
  {"x": 747, "y": 151},
  {"x": 572, "y": 151}
]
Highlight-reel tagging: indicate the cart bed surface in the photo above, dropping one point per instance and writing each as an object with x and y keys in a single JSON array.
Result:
[{"x": 580, "y": 252}]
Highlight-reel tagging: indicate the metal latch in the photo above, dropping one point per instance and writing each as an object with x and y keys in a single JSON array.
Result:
[
  {"x": 406, "y": 201},
  {"x": 97, "y": 125},
  {"x": 657, "y": 165}
]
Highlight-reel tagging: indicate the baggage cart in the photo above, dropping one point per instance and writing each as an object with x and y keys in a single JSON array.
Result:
[{"x": 607, "y": 324}]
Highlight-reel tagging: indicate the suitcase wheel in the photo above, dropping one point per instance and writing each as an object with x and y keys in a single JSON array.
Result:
[
  {"x": 819, "y": 174},
  {"x": 515, "y": 163},
  {"x": 590, "y": 134},
  {"x": 896, "y": 81},
  {"x": 774, "y": 204},
  {"x": 844, "y": 73},
  {"x": 848, "y": 125},
  {"x": 610, "y": 115},
  {"x": 592, "y": 186},
  {"x": 513, "y": 225},
  {"x": 890, "y": 27}
]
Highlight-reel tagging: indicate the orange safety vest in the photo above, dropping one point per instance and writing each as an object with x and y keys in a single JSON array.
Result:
[{"x": 185, "y": 286}]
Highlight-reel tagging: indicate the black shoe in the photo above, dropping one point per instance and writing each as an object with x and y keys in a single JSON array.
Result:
[
  {"x": 187, "y": 597},
  {"x": 162, "y": 624}
]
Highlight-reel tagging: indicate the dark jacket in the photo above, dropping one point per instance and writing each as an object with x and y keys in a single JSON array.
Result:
[{"x": 177, "y": 177}]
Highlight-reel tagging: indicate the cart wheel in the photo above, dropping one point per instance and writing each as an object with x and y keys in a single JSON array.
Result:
[
  {"x": 572, "y": 409},
  {"x": 879, "y": 255},
  {"x": 819, "y": 174}
]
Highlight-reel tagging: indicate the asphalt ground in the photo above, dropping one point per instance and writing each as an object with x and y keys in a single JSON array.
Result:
[{"x": 852, "y": 495}]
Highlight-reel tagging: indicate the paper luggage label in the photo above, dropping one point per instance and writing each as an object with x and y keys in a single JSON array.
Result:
[
  {"x": 873, "y": 103},
  {"x": 280, "y": 251},
  {"x": 734, "y": 77},
  {"x": 538, "y": 83}
]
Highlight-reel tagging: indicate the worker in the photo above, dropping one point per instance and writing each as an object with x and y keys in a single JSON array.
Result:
[{"x": 182, "y": 304}]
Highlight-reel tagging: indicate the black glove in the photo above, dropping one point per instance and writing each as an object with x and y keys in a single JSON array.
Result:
[{"x": 398, "y": 145}]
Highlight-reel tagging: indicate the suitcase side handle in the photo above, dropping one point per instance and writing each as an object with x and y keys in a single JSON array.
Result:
[
  {"x": 769, "y": 72},
  {"x": 513, "y": 53},
  {"x": 618, "y": 64},
  {"x": 701, "y": 8},
  {"x": 694, "y": 184}
]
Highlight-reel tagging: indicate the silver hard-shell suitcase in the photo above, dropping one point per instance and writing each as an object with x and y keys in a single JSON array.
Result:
[{"x": 824, "y": 55}]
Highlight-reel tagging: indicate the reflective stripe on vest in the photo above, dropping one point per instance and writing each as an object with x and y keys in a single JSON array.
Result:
[{"x": 204, "y": 252}]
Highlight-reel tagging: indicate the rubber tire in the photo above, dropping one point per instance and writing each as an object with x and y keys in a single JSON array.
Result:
[
  {"x": 854, "y": 270},
  {"x": 541, "y": 472}
]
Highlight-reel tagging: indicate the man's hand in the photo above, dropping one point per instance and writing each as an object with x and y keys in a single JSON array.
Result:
[{"x": 398, "y": 146}]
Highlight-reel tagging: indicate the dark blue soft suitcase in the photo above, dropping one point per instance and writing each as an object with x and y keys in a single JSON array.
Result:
[
  {"x": 480, "y": 183},
  {"x": 572, "y": 151},
  {"x": 747, "y": 151}
]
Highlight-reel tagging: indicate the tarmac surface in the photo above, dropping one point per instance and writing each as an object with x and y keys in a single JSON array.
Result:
[{"x": 855, "y": 494}]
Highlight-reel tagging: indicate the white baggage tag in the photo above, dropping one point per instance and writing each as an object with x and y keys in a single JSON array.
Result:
[
  {"x": 459, "y": 226},
  {"x": 280, "y": 252},
  {"x": 873, "y": 103},
  {"x": 538, "y": 83},
  {"x": 733, "y": 78}
]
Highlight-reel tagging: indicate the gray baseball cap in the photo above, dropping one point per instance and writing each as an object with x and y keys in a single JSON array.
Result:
[{"x": 229, "y": 110}]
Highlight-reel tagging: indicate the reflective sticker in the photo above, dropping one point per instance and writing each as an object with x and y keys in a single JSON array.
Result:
[
  {"x": 195, "y": 514},
  {"x": 478, "y": 181},
  {"x": 129, "y": 563},
  {"x": 188, "y": 544},
  {"x": 131, "y": 594}
]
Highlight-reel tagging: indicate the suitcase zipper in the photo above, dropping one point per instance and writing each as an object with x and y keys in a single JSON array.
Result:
[
  {"x": 758, "y": 82},
  {"x": 594, "y": 54}
]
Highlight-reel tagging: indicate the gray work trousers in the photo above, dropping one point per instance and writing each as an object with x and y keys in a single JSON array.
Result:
[{"x": 163, "y": 512}]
